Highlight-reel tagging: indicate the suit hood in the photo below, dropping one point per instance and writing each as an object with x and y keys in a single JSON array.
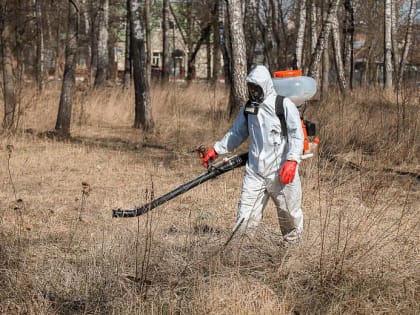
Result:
[{"x": 262, "y": 77}]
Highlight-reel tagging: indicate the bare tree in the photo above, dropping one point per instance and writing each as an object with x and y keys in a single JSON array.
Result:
[
  {"x": 323, "y": 37},
  {"x": 40, "y": 54},
  {"x": 250, "y": 30},
  {"x": 223, "y": 21},
  {"x": 348, "y": 40},
  {"x": 388, "y": 45},
  {"x": 316, "y": 20},
  {"x": 216, "y": 44},
  {"x": 127, "y": 59},
  {"x": 300, "y": 34},
  {"x": 148, "y": 33},
  {"x": 6, "y": 41},
  {"x": 338, "y": 57},
  {"x": 326, "y": 67},
  {"x": 190, "y": 42},
  {"x": 265, "y": 28},
  {"x": 326, "y": 64},
  {"x": 102, "y": 46},
  {"x": 238, "y": 92},
  {"x": 394, "y": 36},
  {"x": 205, "y": 33},
  {"x": 283, "y": 53},
  {"x": 86, "y": 22},
  {"x": 166, "y": 60},
  {"x": 407, "y": 42},
  {"x": 62, "y": 125},
  {"x": 143, "y": 112}
]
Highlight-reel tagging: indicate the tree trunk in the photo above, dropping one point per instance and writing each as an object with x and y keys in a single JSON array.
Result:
[
  {"x": 103, "y": 38},
  {"x": 147, "y": 19},
  {"x": 348, "y": 41},
  {"x": 6, "y": 41},
  {"x": 388, "y": 46},
  {"x": 18, "y": 48},
  {"x": 276, "y": 31},
  {"x": 143, "y": 111},
  {"x": 205, "y": 33},
  {"x": 127, "y": 56},
  {"x": 300, "y": 34},
  {"x": 268, "y": 40},
  {"x": 59, "y": 50},
  {"x": 323, "y": 37},
  {"x": 394, "y": 37},
  {"x": 238, "y": 92},
  {"x": 326, "y": 65},
  {"x": 315, "y": 19},
  {"x": 216, "y": 45},
  {"x": 40, "y": 59},
  {"x": 407, "y": 42},
  {"x": 284, "y": 41},
  {"x": 93, "y": 43},
  {"x": 62, "y": 125},
  {"x": 166, "y": 60},
  {"x": 190, "y": 59},
  {"x": 223, "y": 19},
  {"x": 208, "y": 55},
  {"x": 250, "y": 30},
  {"x": 87, "y": 36},
  {"x": 338, "y": 57}
]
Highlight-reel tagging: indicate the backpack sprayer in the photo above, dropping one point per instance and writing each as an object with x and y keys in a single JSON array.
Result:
[
  {"x": 292, "y": 84},
  {"x": 289, "y": 84}
]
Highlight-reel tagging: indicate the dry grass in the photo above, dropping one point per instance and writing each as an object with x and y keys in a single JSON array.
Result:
[{"x": 62, "y": 253}]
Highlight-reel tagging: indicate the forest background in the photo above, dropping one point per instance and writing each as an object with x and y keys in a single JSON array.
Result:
[{"x": 73, "y": 150}]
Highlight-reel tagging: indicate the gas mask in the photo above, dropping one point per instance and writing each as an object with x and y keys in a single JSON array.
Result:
[{"x": 256, "y": 97}]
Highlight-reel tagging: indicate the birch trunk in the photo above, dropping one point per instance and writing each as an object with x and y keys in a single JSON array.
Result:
[
  {"x": 300, "y": 34},
  {"x": 394, "y": 36},
  {"x": 325, "y": 67},
  {"x": 284, "y": 40},
  {"x": 348, "y": 60},
  {"x": 7, "y": 57},
  {"x": 250, "y": 27},
  {"x": 88, "y": 37},
  {"x": 127, "y": 56},
  {"x": 40, "y": 56},
  {"x": 338, "y": 57},
  {"x": 62, "y": 125},
  {"x": 238, "y": 92},
  {"x": 148, "y": 30},
  {"x": 323, "y": 37},
  {"x": 143, "y": 111},
  {"x": 216, "y": 45},
  {"x": 277, "y": 59},
  {"x": 388, "y": 46},
  {"x": 166, "y": 60},
  {"x": 223, "y": 20},
  {"x": 407, "y": 42},
  {"x": 315, "y": 17},
  {"x": 103, "y": 38}
]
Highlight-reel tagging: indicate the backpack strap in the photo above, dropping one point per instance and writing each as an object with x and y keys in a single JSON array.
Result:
[{"x": 280, "y": 114}]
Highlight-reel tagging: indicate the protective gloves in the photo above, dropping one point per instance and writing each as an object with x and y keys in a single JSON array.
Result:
[
  {"x": 210, "y": 156},
  {"x": 287, "y": 172}
]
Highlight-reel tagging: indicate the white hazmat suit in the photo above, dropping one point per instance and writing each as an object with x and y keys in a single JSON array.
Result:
[{"x": 268, "y": 150}]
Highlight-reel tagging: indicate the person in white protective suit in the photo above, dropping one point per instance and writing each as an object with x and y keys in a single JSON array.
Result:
[{"x": 273, "y": 158}]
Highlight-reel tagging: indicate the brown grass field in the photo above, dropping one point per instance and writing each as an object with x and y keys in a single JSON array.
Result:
[{"x": 61, "y": 252}]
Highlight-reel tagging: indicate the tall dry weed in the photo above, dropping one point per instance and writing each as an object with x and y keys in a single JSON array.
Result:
[{"x": 66, "y": 255}]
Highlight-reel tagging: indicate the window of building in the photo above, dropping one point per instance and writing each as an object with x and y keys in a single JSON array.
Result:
[{"x": 156, "y": 59}]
